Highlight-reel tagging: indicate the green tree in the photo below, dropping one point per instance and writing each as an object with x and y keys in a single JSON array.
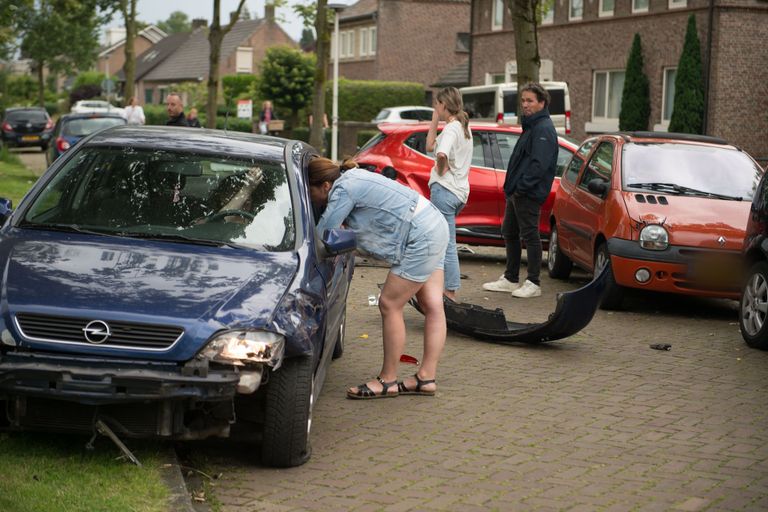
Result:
[
  {"x": 10, "y": 12},
  {"x": 216, "y": 35},
  {"x": 60, "y": 35},
  {"x": 287, "y": 77},
  {"x": 688, "y": 107},
  {"x": 307, "y": 38},
  {"x": 635, "y": 98},
  {"x": 176, "y": 22}
]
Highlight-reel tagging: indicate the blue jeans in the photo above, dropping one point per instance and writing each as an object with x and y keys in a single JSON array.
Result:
[{"x": 450, "y": 206}]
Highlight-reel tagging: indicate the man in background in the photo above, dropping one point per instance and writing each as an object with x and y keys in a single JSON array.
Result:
[{"x": 175, "y": 108}]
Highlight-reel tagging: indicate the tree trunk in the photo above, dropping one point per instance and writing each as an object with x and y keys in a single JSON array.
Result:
[
  {"x": 41, "y": 83},
  {"x": 323, "y": 50},
  {"x": 215, "y": 36},
  {"x": 526, "y": 41},
  {"x": 129, "y": 14}
]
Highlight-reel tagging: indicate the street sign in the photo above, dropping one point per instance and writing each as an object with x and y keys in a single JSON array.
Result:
[{"x": 244, "y": 109}]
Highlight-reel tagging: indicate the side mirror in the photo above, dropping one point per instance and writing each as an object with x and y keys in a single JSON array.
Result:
[
  {"x": 338, "y": 241},
  {"x": 598, "y": 186},
  {"x": 6, "y": 209},
  {"x": 390, "y": 172}
]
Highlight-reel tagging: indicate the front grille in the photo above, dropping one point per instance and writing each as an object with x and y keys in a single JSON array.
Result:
[{"x": 60, "y": 329}]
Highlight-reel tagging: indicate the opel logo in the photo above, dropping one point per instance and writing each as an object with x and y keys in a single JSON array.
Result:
[
  {"x": 721, "y": 241},
  {"x": 97, "y": 332}
]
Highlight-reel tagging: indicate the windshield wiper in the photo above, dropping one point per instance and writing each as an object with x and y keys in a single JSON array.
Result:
[
  {"x": 682, "y": 190},
  {"x": 173, "y": 237},
  {"x": 67, "y": 228}
]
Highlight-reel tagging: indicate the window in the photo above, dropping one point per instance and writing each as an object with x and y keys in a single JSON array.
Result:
[
  {"x": 599, "y": 166},
  {"x": 606, "y": 8},
  {"x": 372, "y": 35},
  {"x": 148, "y": 96},
  {"x": 677, "y": 4},
  {"x": 364, "y": 42},
  {"x": 547, "y": 12},
  {"x": 606, "y": 102},
  {"x": 163, "y": 94},
  {"x": 347, "y": 44},
  {"x": 497, "y": 21},
  {"x": 462, "y": 42},
  {"x": 494, "y": 78},
  {"x": 244, "y": 60},
  {"x": 667, "y": 98},
  {"x": 506, "y": 142},
  {"x": 572, "y": 172},
  {"x": 575, "y": 10},
  {"x": 639, "y": 6}
]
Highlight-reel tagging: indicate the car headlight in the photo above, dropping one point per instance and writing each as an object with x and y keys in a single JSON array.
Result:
[
  {"x": 654, "y": 237},
  {"x": 241, "y": 347}
]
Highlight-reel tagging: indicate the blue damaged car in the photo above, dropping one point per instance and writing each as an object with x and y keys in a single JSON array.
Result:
[{"x": 168, "y": 282}]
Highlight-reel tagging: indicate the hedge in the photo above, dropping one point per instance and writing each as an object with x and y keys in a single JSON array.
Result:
[{"x": 361, "y": 100}]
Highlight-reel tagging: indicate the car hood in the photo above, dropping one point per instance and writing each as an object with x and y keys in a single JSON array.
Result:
[
  {"x": 692, "y": 221},
  {"x": 200, "y": 289}
]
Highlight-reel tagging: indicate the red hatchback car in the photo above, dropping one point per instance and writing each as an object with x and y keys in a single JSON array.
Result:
[{"x": 399, "y": 150}]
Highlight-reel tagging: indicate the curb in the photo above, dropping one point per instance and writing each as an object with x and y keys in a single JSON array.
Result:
[{"x": 180, "y": 497}]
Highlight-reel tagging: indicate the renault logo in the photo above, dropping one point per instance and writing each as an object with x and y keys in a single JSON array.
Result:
[
  {"x": 97, "y": 332},
  {"x": 721, "y": 241}
]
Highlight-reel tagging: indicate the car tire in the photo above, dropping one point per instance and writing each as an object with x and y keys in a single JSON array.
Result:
[
  {"x": 44, "y": 147},
  {"x": 753, "y": 322},
  {"x": 558, "y": 264},
  {"x": 338, "y": 347},
  {"x": 613, "y": 295},
  {"x": 288, "y": 418}
]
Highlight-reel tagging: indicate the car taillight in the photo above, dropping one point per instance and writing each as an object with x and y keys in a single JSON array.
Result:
[
  {"x": 7, "y": 127},
  {"x": 568, "y": 122},
  {"x": 500, "y": 118},
  {"x": 49, "y": 125},
  {"x": 62, "y": 145}
]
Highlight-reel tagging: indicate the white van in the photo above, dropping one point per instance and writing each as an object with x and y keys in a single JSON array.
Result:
[{"x": 498, "y": 102}]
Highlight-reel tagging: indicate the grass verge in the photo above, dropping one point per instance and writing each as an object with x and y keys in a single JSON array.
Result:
[
  {"x": 15, "y": 178},
  {"x": 57, "y": 474}
]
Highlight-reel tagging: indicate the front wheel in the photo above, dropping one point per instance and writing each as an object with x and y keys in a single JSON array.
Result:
[
  {"x": 288, "y": 415},
  {"x": 753, "y": 307},
  {"x": 558, "y": 264},
  {"x": 613, "y": 295}
]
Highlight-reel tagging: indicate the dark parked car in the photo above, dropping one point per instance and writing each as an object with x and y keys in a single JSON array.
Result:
[
  {"x": 70, "y": 128},
  {"x": 26, "y": 126},
  {"x": 753, "y": 307},
  {"x": 168, "y": 282}
]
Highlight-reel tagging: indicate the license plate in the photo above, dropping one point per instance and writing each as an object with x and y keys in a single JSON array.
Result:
[
  {"x": 30, "y": 138},
  {"x": 717, "y": 271}
]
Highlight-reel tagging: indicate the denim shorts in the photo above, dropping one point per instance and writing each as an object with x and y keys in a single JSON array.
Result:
[{"x": 425, "y": 249}]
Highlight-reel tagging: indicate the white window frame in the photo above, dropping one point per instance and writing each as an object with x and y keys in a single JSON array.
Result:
[
  {"x": 571, "y": 17},
  {"x": 495, "y": 78},
  {"x": 244, "y": 59},
  {"x": 640, "y": 10},
  {"x": 602, "y": 124},
  {"x": 363, "y": 43},
  {"x": 347, "y": 49},
  {"x": 663, "y": 126},
  {"x": 678, "y": 4},
  {"x": 497, "y": 4},
  {"x": 603, "y": 13},
  {"x": 549, "y": 17},
  {"x": 372, "y": 44}
]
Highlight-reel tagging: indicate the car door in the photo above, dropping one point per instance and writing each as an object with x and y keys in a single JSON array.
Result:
[
  {"x": 503, "y": 144},
  {"x": 481, "y": 212},
  {"x": 586, "y": 208}
]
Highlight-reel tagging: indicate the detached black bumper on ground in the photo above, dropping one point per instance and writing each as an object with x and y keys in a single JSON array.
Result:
[{"x": 573, "y": 312}]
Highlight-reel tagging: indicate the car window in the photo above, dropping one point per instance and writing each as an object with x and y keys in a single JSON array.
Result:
[
  {"x": 599, "y": 166},
  {"x": 574, "y": 166},
  {"x": 563, "y": 157},
  {"x": 381, "y": 115},
  {"x": 35, "y": 116},
  {"x": 83, "y": 127},
  {"x": 584, "y": 149},
  {"x": 556, "y": 101},
  {"x": 149, "y": 193},
  {"x": 705, "y": 168},
  {"x": 506, "y": 142},
  {"x": 418, "y": 142},
  {"x": 416, "y": 115},
  {"x": 478, "y": 157},
  {"x": 373, "y": 141}
]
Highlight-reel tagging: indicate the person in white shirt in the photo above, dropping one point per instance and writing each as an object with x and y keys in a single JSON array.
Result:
[
  {"x": 134, "y": 114},
  {"x": 449, "y": 179}
]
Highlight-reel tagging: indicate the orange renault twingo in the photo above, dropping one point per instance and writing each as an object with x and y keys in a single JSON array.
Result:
[{"x": 666, "y": 211}]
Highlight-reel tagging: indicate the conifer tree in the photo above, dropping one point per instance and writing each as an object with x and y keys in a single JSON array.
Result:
[
  {"x": 688, "y": 108},
  {"x": 635, "y": 98}
]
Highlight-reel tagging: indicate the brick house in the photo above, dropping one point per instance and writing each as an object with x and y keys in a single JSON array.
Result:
[
  {"x": 403, "y": 40},
  {"x": 587, "y": 44},
  {"x": 186, "y": 57},
  {"x": 112, "y": 55}
]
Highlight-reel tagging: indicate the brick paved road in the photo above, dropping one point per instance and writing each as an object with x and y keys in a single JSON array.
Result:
[{"x": 598, "y": 421}]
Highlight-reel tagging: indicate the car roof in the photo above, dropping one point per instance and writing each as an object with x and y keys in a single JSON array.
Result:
[
  {"x": 661, "y": 137},
  {"x": 89, "y": 115},
  {"x": 193, "y": 140}
]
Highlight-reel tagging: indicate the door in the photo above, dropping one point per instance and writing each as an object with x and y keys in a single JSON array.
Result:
[{"x": 481, "y": 213}]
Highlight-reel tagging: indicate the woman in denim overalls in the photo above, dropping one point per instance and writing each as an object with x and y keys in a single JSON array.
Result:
[{"x": 395, "y": 224}]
